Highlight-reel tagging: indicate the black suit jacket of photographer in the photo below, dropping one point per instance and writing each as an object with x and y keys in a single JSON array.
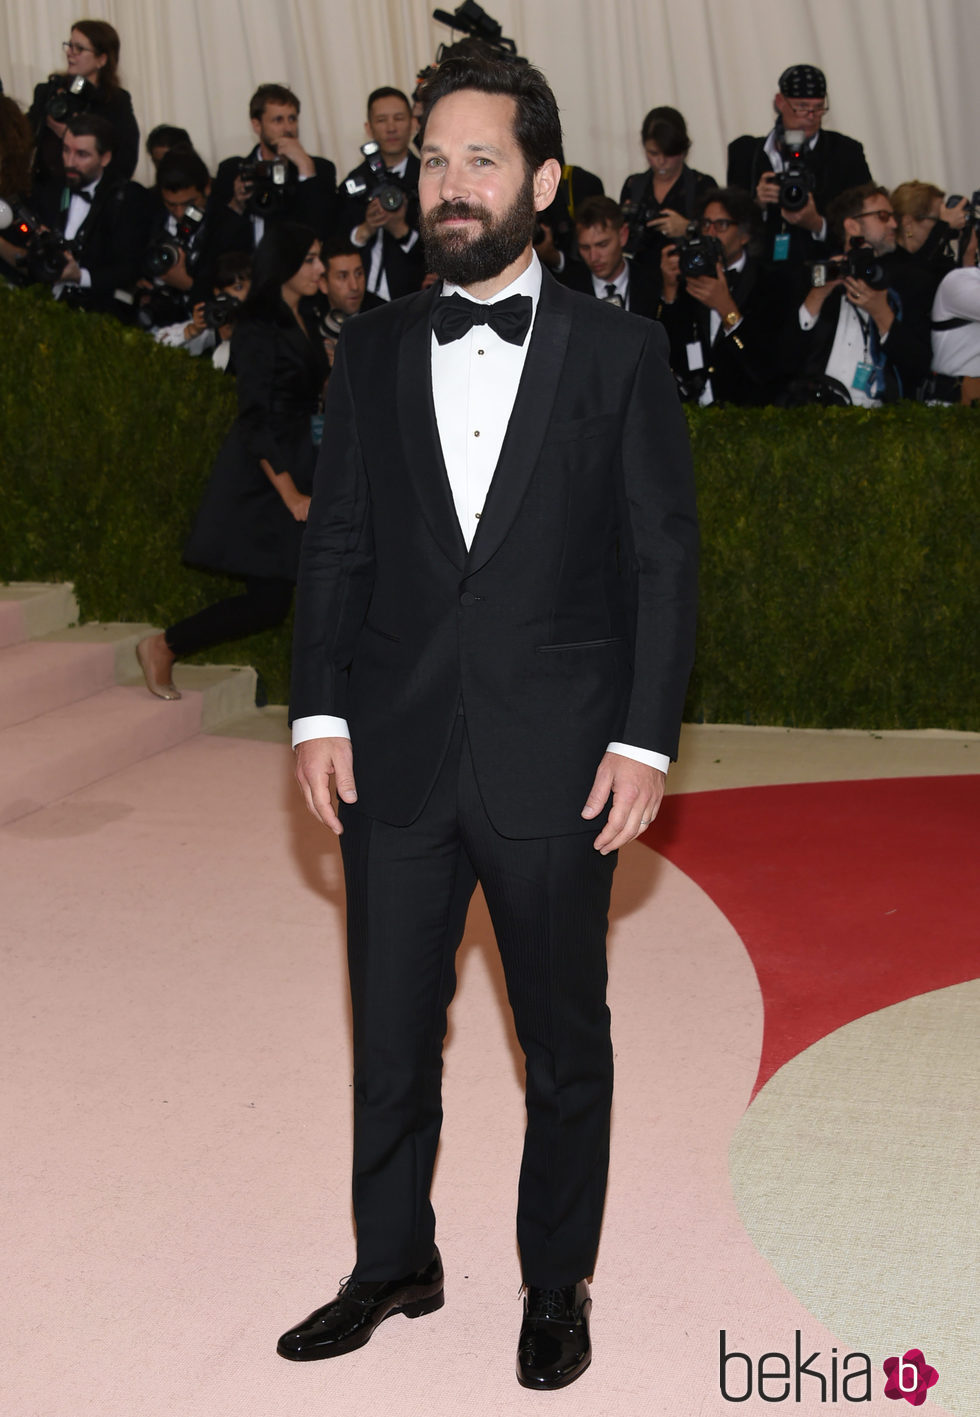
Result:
[
  {"x": 837, "y": 162},
  {"x": 110, "y": 242},
  {"x": 907, "y": 350},
  {"x": 118, "y": 109},
  {"x": 569, "y": 622},
  {"x": 314, "y": 202},
  {"x": 644, "y": 287},
  {"x": 742, "y": 364},
  {"x": 405, "y": 270}
]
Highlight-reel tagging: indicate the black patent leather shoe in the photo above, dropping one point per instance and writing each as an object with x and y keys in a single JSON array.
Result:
[
  {"x": 554, "y": 1348},
  {"x": 348, "y": 1321}
]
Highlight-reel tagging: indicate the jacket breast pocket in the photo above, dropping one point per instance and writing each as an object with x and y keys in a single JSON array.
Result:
[{"x": 575, "y": 430}]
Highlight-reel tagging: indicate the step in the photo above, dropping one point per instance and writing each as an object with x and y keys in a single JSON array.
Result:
[
  {"x": 40, "y": 675},
  {"x": 58, "y": 752},
  {"x": 29, "y": 609}
]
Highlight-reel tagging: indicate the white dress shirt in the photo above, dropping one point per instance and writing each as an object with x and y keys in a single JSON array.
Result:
[
  {"x": 474, "y": 385},
  {"x": 851, "y": 347},
  {"x": 621, "y": 282},
  {"x": 771, "y": 148},
  {"x": 956, "y": 352},
  {"x": 376, "y": 279},
  {"x": 78, "y": 210}
]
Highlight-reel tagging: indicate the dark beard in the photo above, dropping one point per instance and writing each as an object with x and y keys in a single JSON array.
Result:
[{"x": 464, "y": 260}]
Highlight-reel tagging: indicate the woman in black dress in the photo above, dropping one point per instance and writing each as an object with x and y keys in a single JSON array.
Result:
[
  {"x": 250, "y": 522},
  {"x": 665, "y": 197},
  {"x": 92, "y": 54}
]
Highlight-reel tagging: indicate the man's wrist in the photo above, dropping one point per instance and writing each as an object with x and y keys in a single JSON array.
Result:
[
  {"x": 318, "y": 725},
  {"x": 660, "y": 761}
]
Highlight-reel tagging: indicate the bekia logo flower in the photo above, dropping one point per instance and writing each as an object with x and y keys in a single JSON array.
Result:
[{"x": 910, "y": 1377}]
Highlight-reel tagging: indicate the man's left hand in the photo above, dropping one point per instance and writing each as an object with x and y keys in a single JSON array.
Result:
[
  {"x": 808, "y": 217},
  {"x": 865, "y": 297},
  {"x": 293, "y": 151},
  {"x": 713, "y": 291},
  {"x": 637, "y": 791},
  {"x": 71, "y": 274}
]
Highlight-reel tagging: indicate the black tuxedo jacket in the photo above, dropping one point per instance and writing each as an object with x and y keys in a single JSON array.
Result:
[
  {"x": 570, "y": 621},
  {"x": 644, "y": 287},
  {"x": 109, "y": 243},
  {"x": 837, "y": 162},
  {"x": 405, "y": 270},
  {"x": 313, "y": 202}
]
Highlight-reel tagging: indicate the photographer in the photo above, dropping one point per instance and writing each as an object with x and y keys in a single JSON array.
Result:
[
  {"x": 343, "y": 291},
  {"x": 555, "y": 240},
  {"x": 90, "y": 86},
  {"x": 212, "y": 321},
  {"x": 797, "y": 169},
  {"x": 16, "y": 146},
  {"x": 603, "y": 269},
  {"x": 659, "y": 203},
  {"x": 278, "y": 180},
  {"x": 864, "y": 323},
  {"x": 927, "y": 223},
  {"x": 956, "y": 334},
  {"x": 99, "y": 224},
  {"x": 179, "y": 258},
  {"x": 720, "y": 315},
  {"x": 388, "y": 234}
]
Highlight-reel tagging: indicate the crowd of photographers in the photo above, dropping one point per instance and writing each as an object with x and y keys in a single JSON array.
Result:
[{"x": 800, "y": 280}]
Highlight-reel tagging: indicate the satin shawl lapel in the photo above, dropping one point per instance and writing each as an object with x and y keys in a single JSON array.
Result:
[
  {"x": 528, "y": 421},
  {"x": 419, "y": 431}
]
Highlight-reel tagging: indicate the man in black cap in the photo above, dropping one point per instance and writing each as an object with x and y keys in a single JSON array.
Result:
[{"x": 798, "y": 168}]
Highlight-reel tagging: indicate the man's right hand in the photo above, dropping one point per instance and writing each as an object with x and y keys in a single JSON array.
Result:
[
  {"x": 317, "y": 760},
  {"x": 767, "y": 189},
  {"x": 670, "y": 271}
]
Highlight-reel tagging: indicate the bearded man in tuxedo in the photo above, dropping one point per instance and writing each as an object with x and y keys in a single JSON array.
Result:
[{"x": 494, "y": 632}]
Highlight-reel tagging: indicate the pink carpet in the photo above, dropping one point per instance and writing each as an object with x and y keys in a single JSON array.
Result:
[{"x": 177, "y": 1126}]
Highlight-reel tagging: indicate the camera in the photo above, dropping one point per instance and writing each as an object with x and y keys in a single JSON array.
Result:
[
  {"x": 860, "y": 263},
  {"x": 699, "y": 255},
  {"x": 222, "y": 310},
  {"x": 46, "y": 253},
  {"x": 68, "y": 103},
  {"x": 796, "y": 181},
  {"x": 387, "y": 187},
  {"x": 269, "y": 182},
  {"x": 164, "y": 253},
  {"x": 636, "y": 214}
]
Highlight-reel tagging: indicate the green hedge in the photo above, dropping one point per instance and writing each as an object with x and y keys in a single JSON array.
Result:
[{"x": 839, "y": 584}]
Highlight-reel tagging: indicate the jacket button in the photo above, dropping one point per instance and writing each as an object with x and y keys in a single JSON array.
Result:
[{"x": 468, "y": 598}]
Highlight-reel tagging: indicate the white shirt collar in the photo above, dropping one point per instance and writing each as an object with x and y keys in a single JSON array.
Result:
[
  {"x": 739, "y": 265},
  {"x": 527, "y": 283}
]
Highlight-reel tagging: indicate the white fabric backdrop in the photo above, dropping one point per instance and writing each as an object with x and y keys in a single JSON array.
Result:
[{"x": 904, "y": 75}]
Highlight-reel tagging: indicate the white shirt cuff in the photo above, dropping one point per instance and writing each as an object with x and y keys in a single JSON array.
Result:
[
  {"x": 355, "y": 242},
  {"x": 640, "y": 755},
  {"x": 85, "y": 279},
  {"x": 807, "y": 321},
  {"x": 407, "y": 242},
  {"x": 821, "y": 235},
  {"x": 319, "y": 725}
]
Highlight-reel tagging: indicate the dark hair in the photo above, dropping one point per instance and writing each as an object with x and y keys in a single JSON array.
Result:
[
  {"x": 271, "y": 93},
  {"x": 231, "y": 266},
  {"x": 16, "y": 146},
  {"x": 599, "y": 211},
  {"x": 737, "y": 203},
  {"x": 278, "y": 256},
  {"x": 666, "y": 127},
  {"x": 182, "y": 167},
  {"x": 340, "y": 246},
  {"x": 93, "y": 125},
  {"x": 850, "y": 202},
  {"x": 537, "y": 126},
  {"x": 104, "y": 40},
  {"x": 165, "y": 135},
  {"x": 386, "y": 92}
]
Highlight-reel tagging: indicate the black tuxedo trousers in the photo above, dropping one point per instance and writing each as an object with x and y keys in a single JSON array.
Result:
[{"x": 408, "y": 889}]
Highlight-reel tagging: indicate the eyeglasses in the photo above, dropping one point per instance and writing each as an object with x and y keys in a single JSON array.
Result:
[
  {"x": 883, "y": 214},
  {"x": 809, "y": 110},
  {"x": 719, "y": 224},
  {"x": 70, "y": 47}
]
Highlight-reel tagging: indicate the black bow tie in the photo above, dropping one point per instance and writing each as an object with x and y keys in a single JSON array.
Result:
[
  {"x": 80, "y": 192},
  {"x": 453, "y": 316}
]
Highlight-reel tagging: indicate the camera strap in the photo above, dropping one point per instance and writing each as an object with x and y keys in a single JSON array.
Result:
[{"x": 956, "y": 322}]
